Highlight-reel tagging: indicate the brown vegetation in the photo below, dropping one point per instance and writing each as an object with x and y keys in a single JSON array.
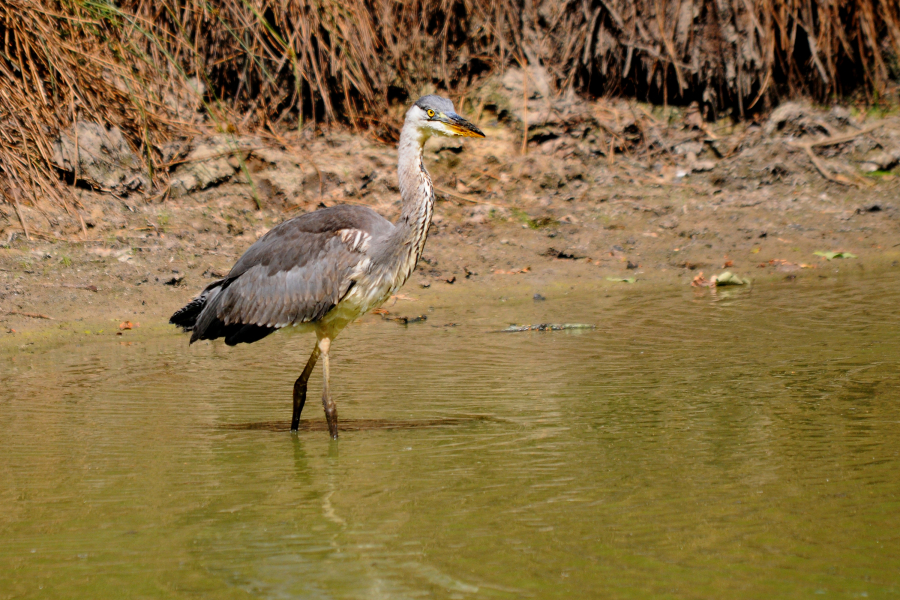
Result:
[{"x": 146, "y": 67}]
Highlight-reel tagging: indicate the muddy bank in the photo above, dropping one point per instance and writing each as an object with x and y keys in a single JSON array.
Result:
[{"x": 604, "y": 194}]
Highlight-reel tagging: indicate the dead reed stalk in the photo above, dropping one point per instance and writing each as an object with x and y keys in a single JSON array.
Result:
[{"x": 146, "y": 67}]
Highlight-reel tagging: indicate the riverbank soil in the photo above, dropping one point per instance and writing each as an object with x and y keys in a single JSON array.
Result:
[{"x": 606, "y": 193}]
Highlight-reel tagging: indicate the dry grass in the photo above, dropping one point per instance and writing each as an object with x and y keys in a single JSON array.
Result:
[
  {"x": 725, "y": 53},
  {"x": 303, "y": 62}
]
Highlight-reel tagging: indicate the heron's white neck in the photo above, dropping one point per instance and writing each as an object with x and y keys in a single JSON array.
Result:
[
  {"x": 417, "y": 194},
  {"x": 415, "y": 184}
]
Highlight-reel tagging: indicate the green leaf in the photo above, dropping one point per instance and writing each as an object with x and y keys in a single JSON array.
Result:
[
  {"x": 729, "y": 278},
  {"x": 833, "y": 255}
]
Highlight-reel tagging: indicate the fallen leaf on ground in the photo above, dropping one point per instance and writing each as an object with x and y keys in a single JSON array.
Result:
[
  {"x": 700, "y": 281},
  {"x": 833, "y": 255},
  {"x": 513, "y": 272},
  {"x": 126, "y": 325}
]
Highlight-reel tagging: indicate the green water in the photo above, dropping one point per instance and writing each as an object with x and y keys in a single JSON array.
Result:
[{"x": 739, "y": 446}]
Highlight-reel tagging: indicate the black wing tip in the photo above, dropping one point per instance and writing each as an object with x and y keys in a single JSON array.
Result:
[
  {"x": 184, "y": 326},
  {"x": 186, "y": 316},
  {"x": 234, "y": 333},
  {"x": 246, "y": 334}
]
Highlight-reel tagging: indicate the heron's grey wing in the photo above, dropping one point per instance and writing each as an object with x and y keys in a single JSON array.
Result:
[
  {"x": 288, "y": 244},
  {"x": 296, "y": 273},
  {"x": 280, "y": 292}
]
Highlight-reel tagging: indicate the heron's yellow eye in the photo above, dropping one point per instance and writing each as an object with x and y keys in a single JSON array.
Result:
[{"x": 430, "y": 113}]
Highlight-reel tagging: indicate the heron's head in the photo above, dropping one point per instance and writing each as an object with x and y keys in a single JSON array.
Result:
[{"x": 434, "y": 115}]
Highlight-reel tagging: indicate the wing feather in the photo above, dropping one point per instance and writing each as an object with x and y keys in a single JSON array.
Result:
[{"x": 295, "y": 273}]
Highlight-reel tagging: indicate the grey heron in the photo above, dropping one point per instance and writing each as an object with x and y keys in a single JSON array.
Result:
[{"x": 322, "y": 270}]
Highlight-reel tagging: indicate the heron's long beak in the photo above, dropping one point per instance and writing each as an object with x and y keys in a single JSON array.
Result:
[{"x": 460, "y": 126}]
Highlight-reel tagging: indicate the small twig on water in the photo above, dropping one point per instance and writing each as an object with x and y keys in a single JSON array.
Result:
[{"x": 545, "y": 327}]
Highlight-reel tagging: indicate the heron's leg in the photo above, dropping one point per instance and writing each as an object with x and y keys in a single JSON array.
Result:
[
  {"x": 300, "y": 388},
  {"x": 327, "y": 402}
]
